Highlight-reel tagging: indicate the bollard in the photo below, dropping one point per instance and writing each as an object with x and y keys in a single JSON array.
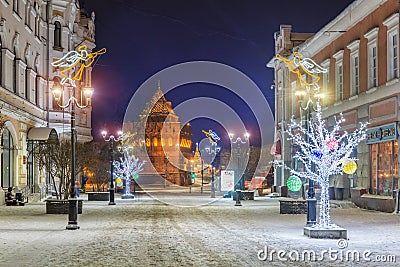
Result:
[
  {"x": 238, "y": 195},
  {"x": 397, "y": 207}
]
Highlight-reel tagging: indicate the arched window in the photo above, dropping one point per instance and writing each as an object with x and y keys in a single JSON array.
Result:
[
  {"x": 155, "y": 141},
  {"x": 15, "y": 72},
  {"x": 7, "y": 159},
  {"x": 147, "y": 142},
  {"x": 57, "y": 34},
  {"x": 169, "y": 141},
  {"x": 16, "y": 6}
]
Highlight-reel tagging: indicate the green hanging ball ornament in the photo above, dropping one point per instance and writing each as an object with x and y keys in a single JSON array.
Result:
[{"x": 294, "y": 183}]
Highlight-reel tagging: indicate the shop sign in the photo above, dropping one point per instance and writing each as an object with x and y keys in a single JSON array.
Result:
[{"x": 382, "y": 133}]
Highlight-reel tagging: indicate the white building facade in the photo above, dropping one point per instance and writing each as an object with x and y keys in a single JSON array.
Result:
[{"x": 33, "y": 34}]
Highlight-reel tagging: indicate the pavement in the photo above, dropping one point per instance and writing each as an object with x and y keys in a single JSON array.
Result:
[{"x": 183, "y": 228}]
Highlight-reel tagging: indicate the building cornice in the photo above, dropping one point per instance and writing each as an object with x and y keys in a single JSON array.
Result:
[{"x": 349, "y": 17}]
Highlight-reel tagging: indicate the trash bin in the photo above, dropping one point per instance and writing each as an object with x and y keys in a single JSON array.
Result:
[
  {"x": 331, "y": 193},
  {"x": 18, "y": 196},
  {"x": 339, "y": 193}
]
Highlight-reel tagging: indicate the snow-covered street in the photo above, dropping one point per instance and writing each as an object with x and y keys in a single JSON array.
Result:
[{"x": 187, "y": 230}]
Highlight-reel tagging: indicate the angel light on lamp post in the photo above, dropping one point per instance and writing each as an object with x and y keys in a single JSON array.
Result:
[{"x": 73, "y": 64}]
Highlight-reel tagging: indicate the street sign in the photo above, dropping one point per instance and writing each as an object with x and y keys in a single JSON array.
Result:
[{"x": 227, "y": 180}]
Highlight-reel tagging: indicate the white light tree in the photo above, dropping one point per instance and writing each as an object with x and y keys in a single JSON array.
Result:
[
  {"x": 126, "y": 168},
  {"x": 323, "y": 153}
]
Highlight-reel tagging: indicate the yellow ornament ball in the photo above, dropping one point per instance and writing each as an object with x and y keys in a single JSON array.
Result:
[
  {"x": 349, "y": 167},
  {"x": 118, "y": 181}
]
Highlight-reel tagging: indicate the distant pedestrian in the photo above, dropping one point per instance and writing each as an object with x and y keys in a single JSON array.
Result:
[{"x": 77, "y": 188}]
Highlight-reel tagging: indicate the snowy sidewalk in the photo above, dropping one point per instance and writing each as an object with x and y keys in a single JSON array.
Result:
[{"x": 145, "y": 232}]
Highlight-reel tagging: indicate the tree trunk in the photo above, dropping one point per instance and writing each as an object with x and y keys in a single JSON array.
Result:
[
  {"x": 324, "y": 216},
  {"x": 127, "y": 186}
]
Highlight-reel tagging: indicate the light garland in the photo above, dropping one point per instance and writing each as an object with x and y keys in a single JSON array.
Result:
[
  {"x": 127, "y": 168},
  {"x": 70, "y": 61}
]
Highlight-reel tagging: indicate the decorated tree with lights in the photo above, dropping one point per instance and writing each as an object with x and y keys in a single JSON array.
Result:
[
  {"x": 127, "y": 167},
  {"x": 324, "y": 153}
]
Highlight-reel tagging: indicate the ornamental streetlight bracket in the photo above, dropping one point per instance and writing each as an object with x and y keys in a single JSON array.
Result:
[{"x": 58, "y": 93}]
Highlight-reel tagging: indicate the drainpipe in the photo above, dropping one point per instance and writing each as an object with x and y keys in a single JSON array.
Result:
[{"x": 48, "y": 60}]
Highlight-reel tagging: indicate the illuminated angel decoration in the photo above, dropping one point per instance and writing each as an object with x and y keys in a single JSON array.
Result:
[
  {"x": 212, "y": 136},
  {"x": 71, "y": 60},
  {"x": 299, "y": 65}
]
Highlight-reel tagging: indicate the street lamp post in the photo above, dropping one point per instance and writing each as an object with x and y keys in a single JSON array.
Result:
[
  {"x": 57, "y": 91},
  {"x": 166, "y": 170},
  {"x": 202, "y": 173},
  {"x": 111, "y": 139},
  {"x": 311, "y": 200},
  {"x": 239, "y": 184}
]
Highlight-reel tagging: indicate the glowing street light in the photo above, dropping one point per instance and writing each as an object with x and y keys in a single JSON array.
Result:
[{"x": 112, "y": 139}]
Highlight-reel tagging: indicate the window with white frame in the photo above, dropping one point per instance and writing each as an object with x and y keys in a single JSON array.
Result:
[
  {"x": 325, "y": 83},
  {"x": 392, "y": 24},
  {"x": 339, "y": 75},
  {"x": 372, "y": 57},
  {"x": 294, "y": 100},
  {"x": 28, "y": 15},
  {"x": 354, "y": 67},
  {"x": 16, "y": 6},
  {"x": 339, "y": 82}
]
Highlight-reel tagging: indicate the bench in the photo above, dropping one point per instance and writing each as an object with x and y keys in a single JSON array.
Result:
[
  {"x": 244, "y": 195},
  {"x": 98, "y": 196},
  {"x": 292, "y": 206}
]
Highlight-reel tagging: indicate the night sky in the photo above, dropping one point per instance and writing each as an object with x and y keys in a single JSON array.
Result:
[{"x": 145, "y": 37}]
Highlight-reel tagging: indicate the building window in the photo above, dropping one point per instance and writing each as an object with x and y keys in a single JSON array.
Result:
[
  {"x": 155, "y": 141},
  {"x": 372, "y": 57},
  {"x": 1, "y": 64},
  {"x": 339, "y": 75},
  {"x": 339, "y": 82},
  {"x": 392, "y": 24},
  {"x": 28, "y": 15},
  {"x": 147, "y": 142},
  {"x": 384, "y": 168},
  {"x": 16, "y": 6},
  {"x": 27, "y": 77},
  {"x": 57, "y": 34},
  {"x": 35, "y": 90},
  {"x": 14, "y": 72},
  {"x": 7, "y": 159},
  {"x": 373, "y": 67},
  {"x": 355, "y": 74},
  {"x": 393, "y": 58},
  {"x": 354, "y": 67},
  {"x": 169, "y": 141},
  {"x": 325, "y": 83}
]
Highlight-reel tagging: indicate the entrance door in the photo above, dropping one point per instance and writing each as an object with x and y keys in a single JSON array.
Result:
[{"x": 7, "y": 159}]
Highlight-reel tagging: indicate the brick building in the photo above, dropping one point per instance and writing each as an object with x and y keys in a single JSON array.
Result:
[{"x": 360, "y": 50}]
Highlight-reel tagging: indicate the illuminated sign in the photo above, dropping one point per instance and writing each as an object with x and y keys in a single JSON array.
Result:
[
  {"x": 72, "y": 72},
  {"x": 299, "y": 65},
  {"x": 382, "y": 134}
]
